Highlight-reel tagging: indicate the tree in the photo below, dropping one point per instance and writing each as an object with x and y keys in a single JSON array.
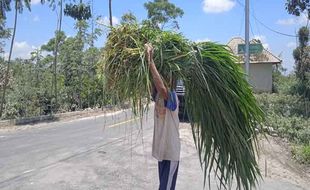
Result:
[
  {"x": 4, "y": 34},
  {"x": 51, "y": 61},
  {"x": 81, "y": 13},
  {"x": 128, "y": 18},
  {"x": 296, "y": 7},
  {"x": 302, "y": 62},
  {"x": 5, "y": 6},
  {"x": 2, "y": 73},
  {"x": 302, "y": 53},
  {"x": 160, "y": 12},
  {"x": 19, "y": 5},
  {"x": 56, "y": 54}
]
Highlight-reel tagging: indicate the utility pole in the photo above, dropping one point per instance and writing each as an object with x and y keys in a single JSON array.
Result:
[{"x": 247, "y": 39}]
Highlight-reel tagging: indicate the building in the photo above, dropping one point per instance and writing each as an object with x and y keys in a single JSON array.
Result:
[{"x": 261, "y": 63}]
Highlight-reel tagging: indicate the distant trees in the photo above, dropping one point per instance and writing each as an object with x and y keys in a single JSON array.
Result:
[
  {"x": 302, "y": 63},
  {"x": 302, "y": 53},
  {"x": 18, "y": 7},
  {"x": 161, "y": 12},
  {"x": 297, "y": 7},
  {"x": 67, "y": 64},
  {"x": 64, "y": 74}
]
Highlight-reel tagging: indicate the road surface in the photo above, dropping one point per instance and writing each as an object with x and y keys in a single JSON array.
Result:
[{"x": 103, "y": 152}]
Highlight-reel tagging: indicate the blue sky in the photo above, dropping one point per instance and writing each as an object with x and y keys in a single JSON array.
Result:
[{"x": 215, "y": 20}]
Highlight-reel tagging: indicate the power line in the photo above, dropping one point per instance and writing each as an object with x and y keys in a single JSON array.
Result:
[
  {"x": 252, "y": 30},
  {"x": 241, "y": 26},
  {"x": 267, "y": 27},
  {"x": 256, "y": 24},
  {"x": 275, "y": 31}
]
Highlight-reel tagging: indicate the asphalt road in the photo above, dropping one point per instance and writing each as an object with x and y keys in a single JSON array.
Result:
[{"x": 103, "y": 152}]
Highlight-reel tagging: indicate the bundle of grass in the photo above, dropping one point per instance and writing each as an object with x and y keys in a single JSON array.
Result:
[
  {"x": 223, "y": 114},
  {"x": 125, "y": 65},
  {"x": 222, "y": 109}
]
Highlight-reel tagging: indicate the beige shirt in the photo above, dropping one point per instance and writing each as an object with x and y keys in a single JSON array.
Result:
[{"x": 166, "y": 138}]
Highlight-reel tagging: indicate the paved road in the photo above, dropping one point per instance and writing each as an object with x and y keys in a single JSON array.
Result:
[{"x": 106, "y": 152}]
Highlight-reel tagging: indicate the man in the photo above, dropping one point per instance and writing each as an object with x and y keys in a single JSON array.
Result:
[{"x": 166, "y": 140}]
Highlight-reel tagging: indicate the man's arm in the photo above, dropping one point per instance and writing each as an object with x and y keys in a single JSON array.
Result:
[{"x": 159, "y": 84}]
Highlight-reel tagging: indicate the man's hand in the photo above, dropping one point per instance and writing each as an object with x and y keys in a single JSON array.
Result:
[
  {"x": 149, "y": 51},
  {"x": 159, "y": 84}
]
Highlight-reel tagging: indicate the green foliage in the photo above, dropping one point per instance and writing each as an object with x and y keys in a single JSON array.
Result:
[
  {"x": 27, "y": 91},
  {"x": 289, "y": 116},
  {"x": 223, "y": 111},
  {"x": 50, "y": 46},
  {"x": 128, "y": 18},
  {"x": 297, "y": 7},
  {"x": 2, "y": 71},
  {"x": 78, "y": 12},
  {"x": 284, "y": 105},
  {"x": 302, "y": 60},
  {"x": 30, "y": 89},
  {"x": 302, "y": 88},
  {"x": 294, "y": 128},
  {"x": 303, "y": 36},
  {"x": 4, "y": 7},
  {"x": 162, "y": 11},
  {"x": 302, "y": 153},
  {"x": 4, "y": 35},
  {"x": 280, "y": 83},
  {"x": 305, "y": 153},
  {"x": 224, "y": 114}
]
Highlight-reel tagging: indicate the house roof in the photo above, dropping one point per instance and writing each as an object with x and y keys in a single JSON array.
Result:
[{"x": 265, "y": 57}]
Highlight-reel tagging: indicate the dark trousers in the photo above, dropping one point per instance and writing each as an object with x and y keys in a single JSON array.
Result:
[{"x": 168, "y": 171}]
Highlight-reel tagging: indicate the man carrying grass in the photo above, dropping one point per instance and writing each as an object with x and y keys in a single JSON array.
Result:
[{"x": 166, "y": 140}]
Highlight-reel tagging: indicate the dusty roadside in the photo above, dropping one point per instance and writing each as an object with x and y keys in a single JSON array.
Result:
[{"x": 276, "y": 163}]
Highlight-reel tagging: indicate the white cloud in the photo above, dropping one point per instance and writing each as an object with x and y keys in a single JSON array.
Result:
[
  {"x": 105, "y": 21},
  {"x": 217, "y": 6},
  {"x": 34, "y": 2},
  {"x": 289, "y": 21},
  {"x": 291, "y": 45},
  {"x": 36, "y": 18},
  {"x": 21, "y": 50},
  {"x": 202, "y": 40},
  {"x": 263, "y": 40},
  {"x": 301, "y": 20}
]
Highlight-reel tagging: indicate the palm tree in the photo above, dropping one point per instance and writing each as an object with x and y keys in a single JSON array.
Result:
[
  {"x": 4, "y": 7},
  {"x": 19, "y": 4}
]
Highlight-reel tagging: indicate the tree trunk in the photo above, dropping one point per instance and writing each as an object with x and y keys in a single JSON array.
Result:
[
  {"x": 110, "y": 12},
  {"x": 6, "y": 80},
  {"x": 55, "y": 58}
]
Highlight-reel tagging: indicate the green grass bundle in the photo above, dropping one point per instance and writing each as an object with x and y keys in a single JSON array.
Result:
[
  {"x": 223, "y": 114},
  {"x": 222, "y": 109},
  {"x": 125, "y": 65}
]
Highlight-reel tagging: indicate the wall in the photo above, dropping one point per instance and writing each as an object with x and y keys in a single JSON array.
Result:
[{"x": 261, "y": 77}]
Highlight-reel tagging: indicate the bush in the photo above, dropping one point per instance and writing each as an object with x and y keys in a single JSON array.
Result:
[
  {"x": 302, "y": 153},
  {"x": 303, "y": 135},
  {"x": 284, "y": 105},
  {"x": 283, "y": 84},
  {"x": 296, "y": 129},
  {"x": 305, "y": 153},
  {"x": 288, "y": 115}
]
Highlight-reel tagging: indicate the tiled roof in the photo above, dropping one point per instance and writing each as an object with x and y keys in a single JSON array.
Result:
[{"x": 265, "y": 57}]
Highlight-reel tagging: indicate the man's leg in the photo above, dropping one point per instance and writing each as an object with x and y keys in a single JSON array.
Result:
[{"x": 168, "y": 171}]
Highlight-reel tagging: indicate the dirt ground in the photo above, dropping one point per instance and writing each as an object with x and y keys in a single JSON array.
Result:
[{"x": 276, "y": 163}]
